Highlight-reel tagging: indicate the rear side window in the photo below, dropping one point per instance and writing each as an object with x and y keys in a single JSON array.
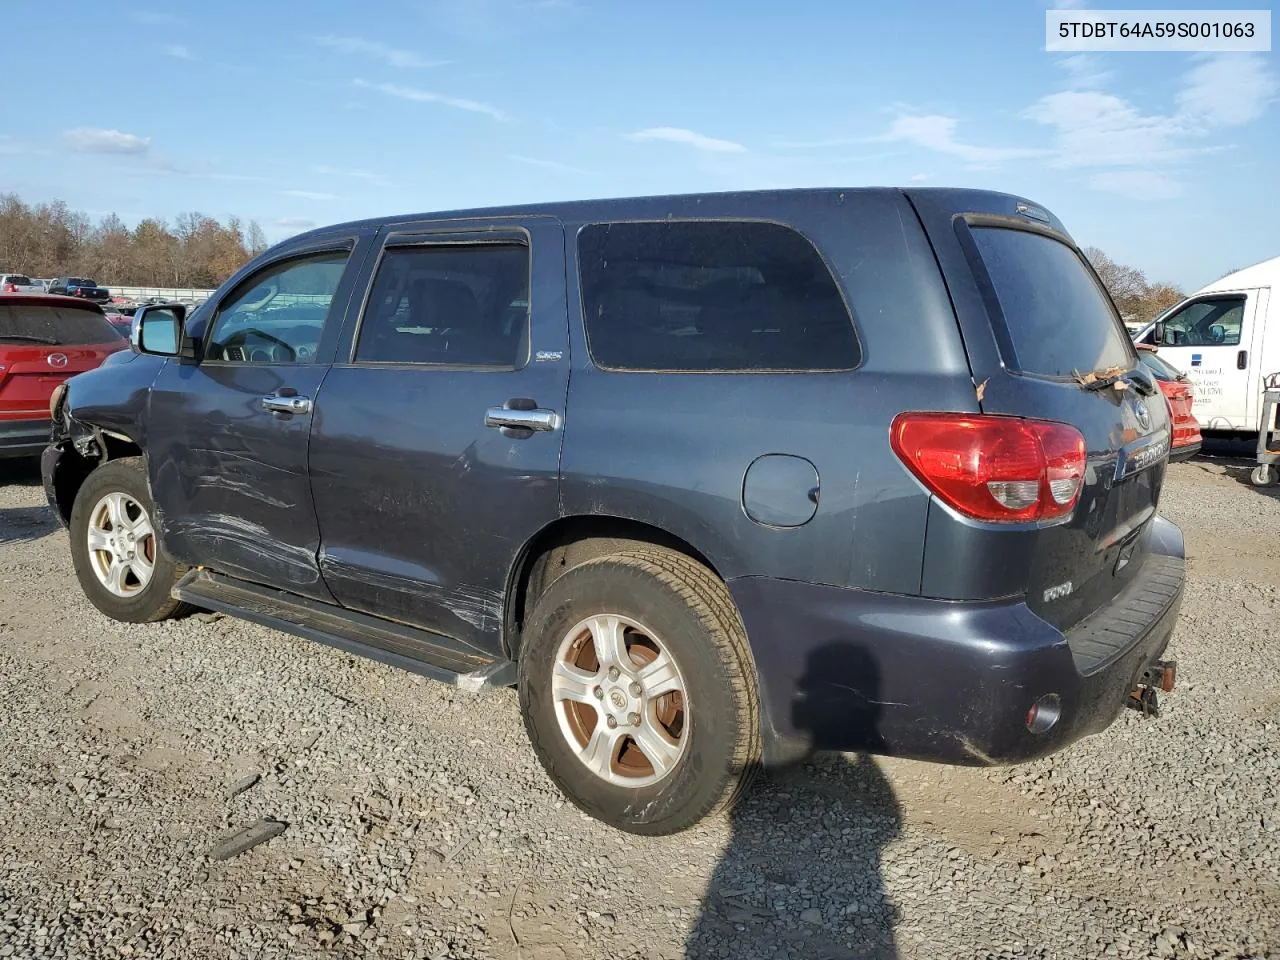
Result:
[
  {"x": 1057, "y": 318},
  {"x": 55, "y": 326},
  {"x": 455, "y": 305},
  {"x": 711, "y": 296}
]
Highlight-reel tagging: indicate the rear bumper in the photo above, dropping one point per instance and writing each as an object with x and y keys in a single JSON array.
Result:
[
  {"x": 1184, "y": 452},
  {"x": 843, "y": 669},
  {"x": 24, "y": 438}
]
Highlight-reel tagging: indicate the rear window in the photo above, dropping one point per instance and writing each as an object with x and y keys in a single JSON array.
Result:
[
  {"x": 55, "y": 326},
  {"x": 19, "y": 279},
  {"x": 1056, "y": 317},
  {"x": 1158, "y": 367},
  {"x": 711, "y": 296}
]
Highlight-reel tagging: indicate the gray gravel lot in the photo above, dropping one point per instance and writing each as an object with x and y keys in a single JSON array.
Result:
[{"x": 420, "y": 825}]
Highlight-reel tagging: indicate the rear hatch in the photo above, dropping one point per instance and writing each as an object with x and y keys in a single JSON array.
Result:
[
  {"x": 42, "y": 345},
  {"x": 1036, "y": 322}
]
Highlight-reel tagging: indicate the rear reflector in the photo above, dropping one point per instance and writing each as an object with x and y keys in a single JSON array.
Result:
[{"x": 999, "y": 469}]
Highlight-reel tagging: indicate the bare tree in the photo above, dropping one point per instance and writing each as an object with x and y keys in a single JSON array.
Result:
[{"x": 1134, "y": 295}]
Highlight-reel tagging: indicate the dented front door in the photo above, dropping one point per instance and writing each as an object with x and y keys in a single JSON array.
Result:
[{"x": 227, "y": 435}]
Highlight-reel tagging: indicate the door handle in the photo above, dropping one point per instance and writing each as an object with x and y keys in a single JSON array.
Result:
[
  {"x": 286, "y": 404},
  {"x": 520, "y": 416},
  {"x": 1242, "y": 360}
]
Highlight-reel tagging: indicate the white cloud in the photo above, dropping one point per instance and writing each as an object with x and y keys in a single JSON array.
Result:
[
  {"x": 547, "y": 164},
  {"x": 372, "y": 48},
  {"x": 921, "y": 177},
  {"x": 1228, "y": 90},
  {"x": 1137, "y": 184},
  {"x": 1084, "y": 71},
  {"x": 428, "y": 96},
  {"x": 96, "y": 140},
  {"x": 686, "y": 137},
  {"x": 1093, "y": 129},
  {"x": 937, "y": 132},
  {"x": 178, "y": 52},
  {"x": 294, "y": 223},
  {"x": 377, "y": 179},
  {"x": 309, "y": 195}
]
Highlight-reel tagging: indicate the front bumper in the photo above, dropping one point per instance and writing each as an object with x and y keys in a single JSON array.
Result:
[
  {"x": 24, "y": 438},
  {"x": 844, "y": 669}
]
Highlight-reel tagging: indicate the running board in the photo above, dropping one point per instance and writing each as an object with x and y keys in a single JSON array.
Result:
[{"x": 419, "y": 651}]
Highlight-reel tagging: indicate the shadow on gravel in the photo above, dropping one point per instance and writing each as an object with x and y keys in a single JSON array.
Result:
[
  {"x": 1241, "y": 475},
  {"x": 21, "y": 524},
  {"x": 801, "y": 874},
  {"x": 20, "y": 471}
]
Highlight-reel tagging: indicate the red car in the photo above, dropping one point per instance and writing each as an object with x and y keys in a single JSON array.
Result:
[
  {"x": 1179, "y": 393},
  {"x": 44, "y": 340}
]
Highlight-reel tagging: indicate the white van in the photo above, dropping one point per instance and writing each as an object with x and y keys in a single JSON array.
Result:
[{"x": 1226, "y": 338}]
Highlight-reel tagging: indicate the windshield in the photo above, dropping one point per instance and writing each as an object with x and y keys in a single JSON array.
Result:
[
  {"x": 1058, "y": 319},
  {"x": 55, "y": 325}
]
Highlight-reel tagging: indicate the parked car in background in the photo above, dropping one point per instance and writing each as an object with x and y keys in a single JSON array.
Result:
[
  {"x": 44, "y": 340},
  {"x": 19, "y": 283},
  {"x": 80, "y": 287},
  {"x": 716, "y": 480},
  {"x": 1179, "y": 391},
  {"x": 1226, "y": 338},
  {"x": 123, "y": 323}
]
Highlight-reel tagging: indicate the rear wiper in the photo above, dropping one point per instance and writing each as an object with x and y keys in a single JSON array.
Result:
[
  {"x": 1114, "y": 378},
  {"x": 25, "y": 339}
]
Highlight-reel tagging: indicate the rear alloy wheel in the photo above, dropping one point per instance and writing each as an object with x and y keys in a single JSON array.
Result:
[
  {"x": 638, "y": 690},
  {"x": 116, "y": 549}
]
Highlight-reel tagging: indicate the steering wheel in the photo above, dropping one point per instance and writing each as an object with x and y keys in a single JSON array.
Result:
[{"x": 254, "y": 331}]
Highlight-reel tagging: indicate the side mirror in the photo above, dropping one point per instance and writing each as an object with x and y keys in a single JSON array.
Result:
[
  {"x": 1158, "y": 332},
  {"x": 157, "y": 329}
]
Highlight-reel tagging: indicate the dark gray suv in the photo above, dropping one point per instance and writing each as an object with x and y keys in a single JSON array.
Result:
[{"x": 715, "y": 480}]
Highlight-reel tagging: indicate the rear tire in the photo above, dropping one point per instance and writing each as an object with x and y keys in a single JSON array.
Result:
[
  {"x": 686, "y": 739},
  {"x": 115, "y": 546}
]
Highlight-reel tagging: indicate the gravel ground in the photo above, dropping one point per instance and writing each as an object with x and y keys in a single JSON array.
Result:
[{"x": 419, "y": 824}]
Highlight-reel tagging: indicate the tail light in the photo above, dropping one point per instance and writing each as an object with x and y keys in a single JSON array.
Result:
[
  {"x": 10, "y": 288},
  {"x": 999, "y": 469}
]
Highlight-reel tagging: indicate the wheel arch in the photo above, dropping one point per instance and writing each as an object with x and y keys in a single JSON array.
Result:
[
  {"x": 85, "y": 448},
  {"x": 568, "y": 542}
]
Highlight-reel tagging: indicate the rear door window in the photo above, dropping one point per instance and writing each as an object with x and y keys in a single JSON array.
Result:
[
  {"x": 1056, "y": 318},
  {"x": 457, "y": 305},
  {"x": 54, "y": 326},
  {"x": 711, "y": 296}
]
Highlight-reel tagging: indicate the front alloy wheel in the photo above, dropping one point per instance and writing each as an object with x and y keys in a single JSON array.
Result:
[{"x": 122, "y": 544}]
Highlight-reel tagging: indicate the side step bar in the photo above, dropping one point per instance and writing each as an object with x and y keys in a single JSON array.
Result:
[{"x": 419, "y": 651}]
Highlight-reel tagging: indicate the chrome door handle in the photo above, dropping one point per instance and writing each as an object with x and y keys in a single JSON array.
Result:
[
  {"x": 278, "y": 404},
  {"x": 537, "y": 419}
]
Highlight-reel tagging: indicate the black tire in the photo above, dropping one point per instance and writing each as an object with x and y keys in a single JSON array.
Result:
[
  {"x": 690, "y": 611},
  {"x": 151, "y": 603}
]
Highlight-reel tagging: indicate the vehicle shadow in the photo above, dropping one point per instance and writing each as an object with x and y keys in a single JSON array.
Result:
[
  {"x": 21, "y": 524},
  {"x": 19, "y": 471},
  {"x": 800, "y": 876}
]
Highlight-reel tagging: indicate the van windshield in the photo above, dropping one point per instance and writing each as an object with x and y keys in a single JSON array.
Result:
[{"x": 1058, "y": 319}]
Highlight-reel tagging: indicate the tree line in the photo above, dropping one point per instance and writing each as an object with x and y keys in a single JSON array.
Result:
[
  {"x": 1136, "y": 297},
  {"x": 52, "y": 240}
]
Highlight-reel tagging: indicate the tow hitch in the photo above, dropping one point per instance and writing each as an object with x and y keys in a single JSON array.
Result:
[{"x": 1161, "y": 675}]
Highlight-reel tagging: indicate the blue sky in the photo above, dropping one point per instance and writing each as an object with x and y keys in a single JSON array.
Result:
[{"x": 299, "y": 113}]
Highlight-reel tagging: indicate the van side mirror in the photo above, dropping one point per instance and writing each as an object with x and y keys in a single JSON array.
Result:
[
  {"x": 157, "y": 329},
  {"x": 1158, "y": 332}
]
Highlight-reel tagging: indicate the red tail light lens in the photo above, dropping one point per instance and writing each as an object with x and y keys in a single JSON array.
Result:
[
  {"x": 1000, "y": 469},
  {"x": 10, "y": 288}
]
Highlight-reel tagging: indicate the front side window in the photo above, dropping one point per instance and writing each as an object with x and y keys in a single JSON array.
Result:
[
  {"x": 461, "y": 305},
  {"x": 1206, "y": 323},
  {"x": 1058, "y": 319},
  {"x": 711, "y": 296},
  {"x": 277, "y": 315}
]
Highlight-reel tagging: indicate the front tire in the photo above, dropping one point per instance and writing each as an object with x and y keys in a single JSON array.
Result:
[
  {"x": 638, "y": 690},
  {"x": 115, "y": 546}
]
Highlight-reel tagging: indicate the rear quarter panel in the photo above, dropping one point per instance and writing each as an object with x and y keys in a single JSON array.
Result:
[{"x": 672, "y": 449}]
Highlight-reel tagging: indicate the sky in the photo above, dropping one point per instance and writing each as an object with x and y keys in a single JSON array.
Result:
[{"x": 298, "y": 113}]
